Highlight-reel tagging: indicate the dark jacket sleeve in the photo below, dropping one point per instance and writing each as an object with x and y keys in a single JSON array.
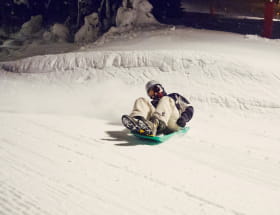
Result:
[
  {"x": 187, "y": 114},
  {"x": 184, "y": 107},
  {"x": 187, "y": 111}
]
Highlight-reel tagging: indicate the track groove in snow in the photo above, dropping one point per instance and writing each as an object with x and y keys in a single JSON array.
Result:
[
  {"x": 36, "y": 171},
  {"x": 85, "y": 166}
]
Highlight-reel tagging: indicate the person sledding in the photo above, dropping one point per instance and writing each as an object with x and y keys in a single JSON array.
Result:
[{"x": 164, "y": 114}]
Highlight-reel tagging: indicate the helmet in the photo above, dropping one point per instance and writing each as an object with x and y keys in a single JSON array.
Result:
[
  {"x": 158, "y": 91},
  {"x": 151, "y": 84}
]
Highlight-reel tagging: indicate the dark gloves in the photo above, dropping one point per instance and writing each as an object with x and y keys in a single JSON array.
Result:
[{"x": 181, "y": 122}]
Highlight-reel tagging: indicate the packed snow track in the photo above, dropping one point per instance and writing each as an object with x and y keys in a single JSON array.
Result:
[{"x": 64, "y": 151}]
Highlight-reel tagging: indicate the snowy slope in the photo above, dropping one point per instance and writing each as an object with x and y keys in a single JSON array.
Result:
[{"x": 64, "y": 151}]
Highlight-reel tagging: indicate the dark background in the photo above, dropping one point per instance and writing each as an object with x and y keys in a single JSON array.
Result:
[{"x": 13, "y": 15}]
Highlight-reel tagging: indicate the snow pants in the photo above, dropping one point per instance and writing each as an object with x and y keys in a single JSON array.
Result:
[{"x": 166, "y": 111}]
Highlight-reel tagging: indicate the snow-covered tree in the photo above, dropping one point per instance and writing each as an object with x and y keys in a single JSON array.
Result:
[
  {"x": 90, "y": 30},
  {"x": 72, "y": 13},
  {"x": 135, "y": 12},
  {"x": 107, "y": 12}
]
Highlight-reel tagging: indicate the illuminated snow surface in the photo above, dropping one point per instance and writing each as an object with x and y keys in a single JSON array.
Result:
[{"x": 64, "y": 151}]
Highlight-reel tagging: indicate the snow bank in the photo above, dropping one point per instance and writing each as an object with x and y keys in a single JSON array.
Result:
[
  {"x": 192, "y": 66},
  {"x": 200, "y": 75},
  {"x": 165, "y": 61}
]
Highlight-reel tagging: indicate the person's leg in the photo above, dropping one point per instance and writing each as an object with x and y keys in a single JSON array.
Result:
[
  {"x": 142, "y": 107},
  {"x": 167, "y": 112}
]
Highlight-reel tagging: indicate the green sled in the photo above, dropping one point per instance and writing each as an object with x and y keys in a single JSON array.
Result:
[{"x": 153, "y": 140}]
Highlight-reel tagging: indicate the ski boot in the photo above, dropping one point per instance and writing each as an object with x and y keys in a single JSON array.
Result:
[
  {"x": 137, "y": 124},
  {"x": 157, "y": 126},
  {"x": 130, "y": 123},
  {"x": 152, "y": 127}
]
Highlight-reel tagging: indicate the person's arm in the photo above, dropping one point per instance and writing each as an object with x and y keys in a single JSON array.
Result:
[{"x": 186, "y": 115}]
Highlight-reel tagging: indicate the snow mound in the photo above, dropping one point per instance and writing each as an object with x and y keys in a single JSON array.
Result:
[
  {"x": 190, "y": 65},
  {"x": 197, "y": 74}
]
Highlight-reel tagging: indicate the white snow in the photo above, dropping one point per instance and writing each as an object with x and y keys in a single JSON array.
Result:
[{"x": 63, "y": 149}]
